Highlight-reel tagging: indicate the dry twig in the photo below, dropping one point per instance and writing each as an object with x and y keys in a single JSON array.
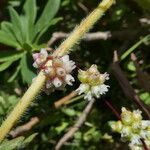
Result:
[
  {"x": 143, "y": 78},
  {"x": 88, "y": 37},
  {"x": 77, "y": 125},
  {"x": 24, "y": 128},
  {"x": 125, "y": 85}
]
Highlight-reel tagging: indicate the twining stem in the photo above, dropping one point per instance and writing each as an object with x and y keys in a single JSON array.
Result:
[
  {"x": 112, "y": 109},
  {"x": 84, "y": 27},
  {"x": 63, "y": 49},
  {"x": 63, "y": 100},
  {"x": 144, "y": 145},
  {"x": 22, "y": 105}
]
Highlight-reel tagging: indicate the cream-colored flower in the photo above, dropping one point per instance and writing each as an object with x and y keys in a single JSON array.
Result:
[
  {"x": 57, "y": 70},
  {"x": 92, "y": 83},
  {"x": 133, "y": 129}
]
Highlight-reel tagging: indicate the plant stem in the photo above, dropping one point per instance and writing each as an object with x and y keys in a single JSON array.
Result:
[
  {"x": 144, "y": 144},
  {"x": 112, "y": 109},
  {"x": 65, "y": 99},
  {"x": 22, "y": 105},
  {"x": 64, "y": 48},
  {"x": 84, "y": 27}
]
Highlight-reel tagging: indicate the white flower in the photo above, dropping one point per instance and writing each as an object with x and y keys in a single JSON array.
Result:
[
  {"x": 92, "y": 83},
  {"x": 69, "y": 65},
  {"x": 40, "y": 58},
  {"x": 83, "y": 88},
  {"x": 88, "y": 96},
  {"x": 57, "y": 70},
  {"x": 57, "y": 82},
  {"x": 69, "y": 79},
  {"x": 135, "y": 140},
  {"x": 145, "y": 124}
]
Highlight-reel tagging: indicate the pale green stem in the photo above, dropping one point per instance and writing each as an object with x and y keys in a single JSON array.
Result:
[
  {"x": 64, "y": 48},
  {"x": 22, "y": 105},
  {"x": 84, "y": 27}
]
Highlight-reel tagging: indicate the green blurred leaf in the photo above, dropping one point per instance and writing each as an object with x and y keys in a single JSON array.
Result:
[
  {"x": 6, "y": 27},
  {"x": 6, "y": 38},
  {"x": 10, "y": 56},
  {"x": 30, "y": 10},
  {"x": 145, "y": 97},
  {"x": 12, "y": 144},
  {"x": 17, "y": 27},
  {"x": 29, "y": 139},
  {"x": 49, "y": 12},
  {"x": 14, "y": 75},
  {"x": 5, "y": 65},
  {"x": 26, "y": 72},
  {"x": 53, "y": 22},
  {"x": 130, "y": 50}
]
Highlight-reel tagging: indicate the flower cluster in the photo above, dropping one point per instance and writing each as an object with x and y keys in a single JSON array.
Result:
[
  {"x": 132, "y": 128},
  {"x": 57, "y": 69},
  {"x": 92, "y": 83}
]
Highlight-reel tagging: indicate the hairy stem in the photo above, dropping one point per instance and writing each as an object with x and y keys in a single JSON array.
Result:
[
  {"x": 84, "y": 27},
  {"x": 22, "y": 105},
  {"x": 64, "y": 48}
]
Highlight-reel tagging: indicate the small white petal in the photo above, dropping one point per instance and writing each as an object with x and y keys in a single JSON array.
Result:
[
  {"x": 35, "y": 65},
  {"x": 47, "y": 70},
  {"x": 44, "y": 52},
  {"x": 57, "y": 82},
  {"x": 88, "y": 96},
  {"x": 145, "y": 124},
  {"x": 106, "y": 76},
  {"x": 35, "y": 56},
  {"x": 48, "y": 84},
  {"x": 135, "y": 140},
  {"x": 69, "y": 79},
  {"x": 65, "y": 58},
  {"x": 83, "y": 88},
  {"x": 103, "y": 88},
  {"x": 96, "y": 90}
]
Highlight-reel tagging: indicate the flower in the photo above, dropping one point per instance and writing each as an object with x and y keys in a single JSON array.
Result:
[
  {"x": 57, "y": 70},
  {"x": 92, "y": 83},
  {"x": 132, "y": 128},
  {"x": 40, "y": 58}
]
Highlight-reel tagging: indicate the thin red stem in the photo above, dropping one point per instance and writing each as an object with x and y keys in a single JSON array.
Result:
[
  {"x": 113, "y": 109},
  {"x": 144, "y": 145}
]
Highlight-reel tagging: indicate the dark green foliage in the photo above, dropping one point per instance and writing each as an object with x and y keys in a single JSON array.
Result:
[{"x": 29, "y": 27}]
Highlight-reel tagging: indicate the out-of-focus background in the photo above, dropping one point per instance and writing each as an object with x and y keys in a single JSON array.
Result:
[{"x": 121, "y": 29}]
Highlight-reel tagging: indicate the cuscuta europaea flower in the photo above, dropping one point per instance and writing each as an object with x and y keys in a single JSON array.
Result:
[
  {"x": 92, "y": 83},
  {"x": 132, "y": 128},
  {"x": 57, "y": 70}
]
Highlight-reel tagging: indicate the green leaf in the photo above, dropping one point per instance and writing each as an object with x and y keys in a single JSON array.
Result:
[
  {"x": 17, "y": 27},
  {"x": 14, "y": 75},
  {"x": 49, "y": 12},
  {"x": 30, "y": 10},
  {"x": 10, "y": 56},
  {"x": 29, "y": 139},
  {"x": 5, "y": 65},
  {"x": 12, "y": 144},
  {"x": 130, "y": 50},
  {"x": 6, "y": 39},
  {"x": 27, "y": 73},
  {"x": 53, "y": 22},
  {"x": 8, "y": 29},
  {"x": 27, "y": 47}
]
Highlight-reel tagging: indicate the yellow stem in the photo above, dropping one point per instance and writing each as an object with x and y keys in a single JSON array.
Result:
[
  {"x": 22, "y": 105},
  {"x": 64, "y": 48},
  {"x": 84, "y": 27}
]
